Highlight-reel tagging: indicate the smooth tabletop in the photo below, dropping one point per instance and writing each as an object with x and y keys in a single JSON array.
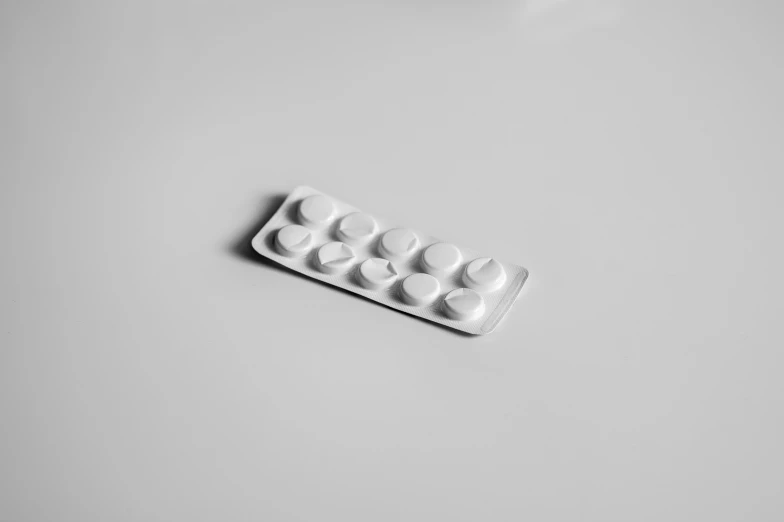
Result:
[{"x": 628, "y": 153}]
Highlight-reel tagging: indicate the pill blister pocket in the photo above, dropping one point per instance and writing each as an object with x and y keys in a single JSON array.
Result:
[{"x": 332, "y": 241}]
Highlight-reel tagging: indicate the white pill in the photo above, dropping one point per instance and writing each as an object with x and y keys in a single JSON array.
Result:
[
  {"x": 335, "y": 257},
  {"x": 484, "y": 275},
  {"x": 398, "y": 244},
  {"x": 316, "y": 211},
  {"x": 419, "y": 289},
  {"x": 357, "y": 228},
  {"x": 463, "y": 304},
  {"x": 441, "y": 259},
  {"x": 293, "y": 240},
  {"x": 376, "y": 273}
]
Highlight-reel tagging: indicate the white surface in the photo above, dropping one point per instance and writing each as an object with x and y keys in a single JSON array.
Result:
[
  {"x": 399, "y": 244},
  {"x": 420, "y": 289},
  {"x": 484, "y": 274},
  {"x": 316, "y": 211},
  {"x": 376, "y": 273},
  {"x": 628, "y": 153},
  {"x": 463, "y": 304},
  {"x": 293, "y": 241},
  {"x": 335, "y": 257},
  {"x": 441, "y": 259},
  {"x": 357, "y": 228}
]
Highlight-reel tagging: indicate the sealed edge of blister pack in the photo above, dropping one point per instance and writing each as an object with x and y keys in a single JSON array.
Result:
[{"x": 497, "y": 303}]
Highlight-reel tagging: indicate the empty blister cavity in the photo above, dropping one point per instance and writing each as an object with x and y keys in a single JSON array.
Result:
[
  {"x": 316, "y": 211},
  {"x": 484, "y": 275},
  {"x": 463, "y": 304},
  {"x": 335, "y": 257},
  {"x": 376, "y": 273},
  {"x": 441, "y": 259},
  {"x": 357, "y": 228},
  {"x": 419, "y": 289},
  {"x": 293, "y": 240},
  {"x": 398, "y": 244}
]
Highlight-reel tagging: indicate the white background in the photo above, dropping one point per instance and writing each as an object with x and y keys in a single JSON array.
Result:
[{"x": 627, "y": 152}]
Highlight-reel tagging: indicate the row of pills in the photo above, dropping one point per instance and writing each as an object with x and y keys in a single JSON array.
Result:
[
  {"x": 484, "y": 274},
  {"x": 376, "y": 273},
  {"x": 420, "y": 289},
  {"x": 357, "y": 229}
]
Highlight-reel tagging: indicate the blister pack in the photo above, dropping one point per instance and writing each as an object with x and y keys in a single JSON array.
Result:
[{"x": 402, "y": 268}]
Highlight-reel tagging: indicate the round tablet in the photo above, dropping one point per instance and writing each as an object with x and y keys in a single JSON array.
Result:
[
  {"x": 484, "y": 274},
  {"x": 293, "y": 240},
  {"x": 441, "y": 259},
  {"x": 316, "y": 211},
  {"x": 357, "y": 228},
  {"x": 463, "y": 304},
  {"x": 335, "y": 257},
  {"x": 419, "y": 289},
  {"x": 376, "y": 273},
  {"x": 398, "y": 244}
]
